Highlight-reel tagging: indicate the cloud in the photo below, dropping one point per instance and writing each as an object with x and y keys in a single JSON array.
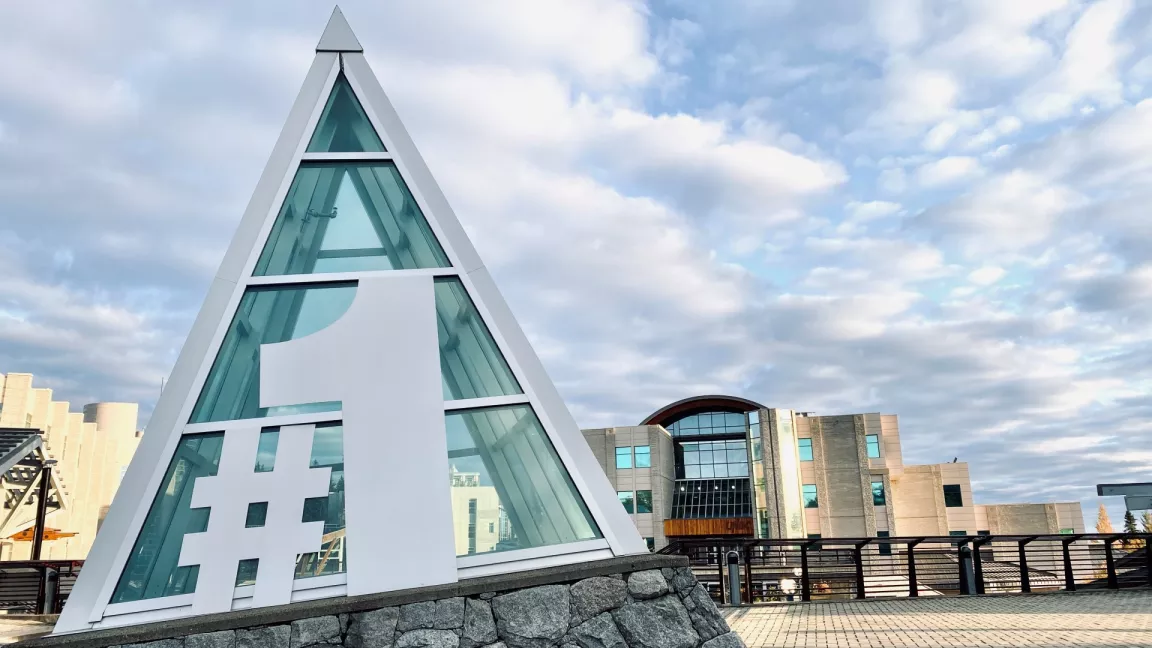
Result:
[{"x": 947, "y": 170}]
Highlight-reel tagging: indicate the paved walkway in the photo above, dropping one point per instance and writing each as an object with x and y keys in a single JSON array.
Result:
[
  {"x": 21, "y": 628},
  {"x": 1097, "y": 619}
]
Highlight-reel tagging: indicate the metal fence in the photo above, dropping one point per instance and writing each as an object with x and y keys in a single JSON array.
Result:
[
  {"x": 759, "y": 571},
  {"x": 36, "y": 586}
]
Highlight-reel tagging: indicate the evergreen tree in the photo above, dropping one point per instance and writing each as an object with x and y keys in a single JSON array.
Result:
[
  {"x": 1129, "y": 522},
  {"x": 1103, "y": 524}
]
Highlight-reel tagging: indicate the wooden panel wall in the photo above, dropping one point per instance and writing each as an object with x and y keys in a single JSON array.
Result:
[{"x": 709, "y": 527}]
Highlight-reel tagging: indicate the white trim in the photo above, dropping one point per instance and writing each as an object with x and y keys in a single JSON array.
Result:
[
  {"x": 533, "y": 553},
  {"x": 270, "y": 421},
  {"x": 490, "y": 401},
  {"x": 335, "y": 277},
  {"x": 534, "y": 563},
  {"x": 347, "y": 157},
  {"x": 148, "y": 604}
]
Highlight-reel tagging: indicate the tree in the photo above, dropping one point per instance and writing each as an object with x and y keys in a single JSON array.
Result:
[
  {"x": 1103, "y": 524},
  {"x": 1146, "y": 522},
  {"x": 1130, "y": 527}
]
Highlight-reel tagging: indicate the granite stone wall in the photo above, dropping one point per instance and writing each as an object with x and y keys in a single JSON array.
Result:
[{"x": 651, "y": 608}]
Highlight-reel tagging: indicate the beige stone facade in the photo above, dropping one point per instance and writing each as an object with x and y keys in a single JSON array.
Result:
[
  {"x": 833, "y": 477},
  {"x": 92, "y": 449}
]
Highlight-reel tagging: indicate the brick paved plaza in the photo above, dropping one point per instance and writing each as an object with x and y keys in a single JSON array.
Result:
[{"x": 1095, "y": 619}]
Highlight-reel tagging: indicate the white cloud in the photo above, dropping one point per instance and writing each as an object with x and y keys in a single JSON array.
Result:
[
  {"x": 987, "y": 275},
  {"x": 948, "y": 170}
]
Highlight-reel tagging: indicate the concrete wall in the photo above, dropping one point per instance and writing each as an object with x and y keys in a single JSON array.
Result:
[
  {"x": 918, "y": 498},
  {"x": 92, "y": 449},
  {"x": 843, "y": 478},
  {"x": 659, "y": 478}
]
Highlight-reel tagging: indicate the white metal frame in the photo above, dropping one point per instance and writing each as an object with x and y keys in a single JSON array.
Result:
[{"x": 88, "y": 605}]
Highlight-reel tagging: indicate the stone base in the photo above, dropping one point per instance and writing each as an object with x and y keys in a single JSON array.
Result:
[{"x": 648, "y": 601}]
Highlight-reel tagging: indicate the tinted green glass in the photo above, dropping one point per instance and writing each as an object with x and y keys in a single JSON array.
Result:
[
  {"x": 232, "y": 390},
  {"x": 502, "y": 458},
  {"x": 810, "y": 498},
  {"x": 343, "y": 126},
  {"x": 246, "y": 572},
  {"x": 346, "y": 217},
  {"x": 327, "y": 451},
  {"x": 878, "y": 498},
  {"x": 152, "y": 570},
  {"x": 471, "y": 365}
]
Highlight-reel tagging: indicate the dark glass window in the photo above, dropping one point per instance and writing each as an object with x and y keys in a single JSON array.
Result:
[
  {"x": 712, "y": 459},
  {"x": 805, "y": 449},
  {"x": 711, "y": 498},
  {"x": 651, "y": 542},
  {"x": 885, "y": 547},
  {"x": 873, "y": 441},
  {"x": 643, "y": 456},
  {"x": 984, "y": 532},
  {"x": 952, "y": 496},
  {"x": 623, "y": 458},
  {"x": 710, "y": 423},
  {"x": 257, "y": 515},
  {"x": 626, "y": 498},
  {"x": 878, "y": 493},
  {"x": 957, "y": 533},
  {"x": 644, "y": 501},
  {"x": 810, "y": 498},
  {"x": 813, "y": 536}
]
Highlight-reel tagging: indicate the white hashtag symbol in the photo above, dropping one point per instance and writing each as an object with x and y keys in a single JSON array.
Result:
[{"x": 219, "y": 550}]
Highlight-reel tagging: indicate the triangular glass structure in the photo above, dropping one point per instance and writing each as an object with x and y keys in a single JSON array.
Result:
[
  {"x": 355, "y": 409},
  {"x": 343, "y": 127}
]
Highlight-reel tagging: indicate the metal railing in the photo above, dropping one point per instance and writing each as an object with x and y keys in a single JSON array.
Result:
[
  {"x": 36, "y": 586},
  {"x": 749, "y": 571}
]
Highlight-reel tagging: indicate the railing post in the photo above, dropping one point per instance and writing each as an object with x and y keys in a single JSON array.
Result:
[
  {"x": 805, "y": 580},
  {"x": 1110, "y": 564},
  {"x": 720, "y": 571},
  {"x": 964, "y": 561},
  {"x": 1025, "y": 581},
  {"x": 858, "y": 558},
  {"x": 1148, "y": 558},
  {"x": 748, "y": 551},
  {"x": 978, "y": 562},
  {"x": 1069, "y": 574},
  {"x": 913, "y": 586}
]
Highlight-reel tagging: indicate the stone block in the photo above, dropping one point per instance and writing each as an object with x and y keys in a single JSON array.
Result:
[
  {"x": 373, "y": 629},
  {"x": 221, "y": 639},
  {"x": 598, "y": 632},
  {"x": 532, "y": 618},
  {"x": 163, "y": 643},
  {"x": 417, "y": 616},
  {"x": 727, "y": 640},
  {"x": 682, "y": 580},
  {"x": 449, "y": 614},
  {"x": 647, "y": 584},
  {"x": 266, "y": 637},
  {"x": 315, "y": 631},
  {"x": 592, "y": 596},
  {"x": 479, "y": 624},
  {"x": 656, "y": 623},
  {"x": 425, "y": 638},
  {"x": 705, "y": 617}
]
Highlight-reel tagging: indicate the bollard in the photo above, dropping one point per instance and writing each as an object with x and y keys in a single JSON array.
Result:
[
  {"x": 734, "y": 578},
  {"x": 967, "y": 575},
  {"x": 51, "y": 587}
]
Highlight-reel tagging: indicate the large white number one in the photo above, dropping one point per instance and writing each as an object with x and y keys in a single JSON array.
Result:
[{"x": 382, "y": 361}]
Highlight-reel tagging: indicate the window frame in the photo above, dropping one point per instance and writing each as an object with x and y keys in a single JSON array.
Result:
[
  {"x": 870, "y": 441},
  {"x": 627, "y": 455},
  {"x": 812, "y": 502},
  {"x": 801, "y": 447},
  {"x": 953, "y": 498}
]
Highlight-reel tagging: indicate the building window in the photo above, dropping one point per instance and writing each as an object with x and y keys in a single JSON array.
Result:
[
  {"x": 952, "y": 496},
  {"x": 623, "y": 458},
  {"x": 711, "y": 498},
  {"x": 984, "y": 532},
  {"x": 491, "y": 527},
  {"x": 708, "y": 423},
  {"x": 878, "y": 493},
  {"x": 813, "y": 536},
  {"x": 1067, "y": 531},
  {"x": 873, "y": 441},
  {"x": 643, "y": 457},
  {"x": 644, "y": 501},
  {"x": 651, "y": 542},
  {"x": 471, "y": 526},
  {"x": 626, "y": 499},
  {"x": 810, "y": 499},
  {"x": 885, "y": 547},
  {"x": 805, "y": 449},
  {"x": 763, "y": 515},
  {"x": 957, "y": 533},
  {"x": 712, "y": 459}
]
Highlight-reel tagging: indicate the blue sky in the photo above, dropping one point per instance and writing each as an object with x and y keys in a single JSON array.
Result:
[{"x": 932, "y": 209}]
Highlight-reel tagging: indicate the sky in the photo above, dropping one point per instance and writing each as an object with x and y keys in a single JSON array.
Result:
[{"x": 935, "y": 209}]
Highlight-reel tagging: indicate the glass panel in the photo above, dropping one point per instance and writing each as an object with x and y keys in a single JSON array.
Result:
[
  {"x": 952, "y": 496},
  {"x": 151, "y": 570},
  {"x": 327, "y": 451},
  {"x": 471, "y": 365},
  {"x": 644, "y": 501},
  {"x": 343, "y": 126},
  {"x": 805, "y": 446},
  {"x": 626, "y": 500},
  {"x": 345, "y": 217},
  {"x": 266, "y": 451},
  {"x": 878, "y": 493},
  {"x": 873, "y": 441},
  {"x": 266, "y": 315},
  {"x": 246, "y": 572},
  {"x": 502, "y": 458},
  {"x": 643, "y": 457},
  {"x": 623, "y": 457},
  {"x": 809, "y": 494},
  {"x": 257, "y": 515}
]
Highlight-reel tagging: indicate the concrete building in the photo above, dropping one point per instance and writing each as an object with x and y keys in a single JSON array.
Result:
[
  {"x": 92, "y": 450},
  {"x": 724, "y": 466}
]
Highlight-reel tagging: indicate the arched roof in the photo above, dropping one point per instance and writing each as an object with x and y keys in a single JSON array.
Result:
[{"x": 714, "y": 403}]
